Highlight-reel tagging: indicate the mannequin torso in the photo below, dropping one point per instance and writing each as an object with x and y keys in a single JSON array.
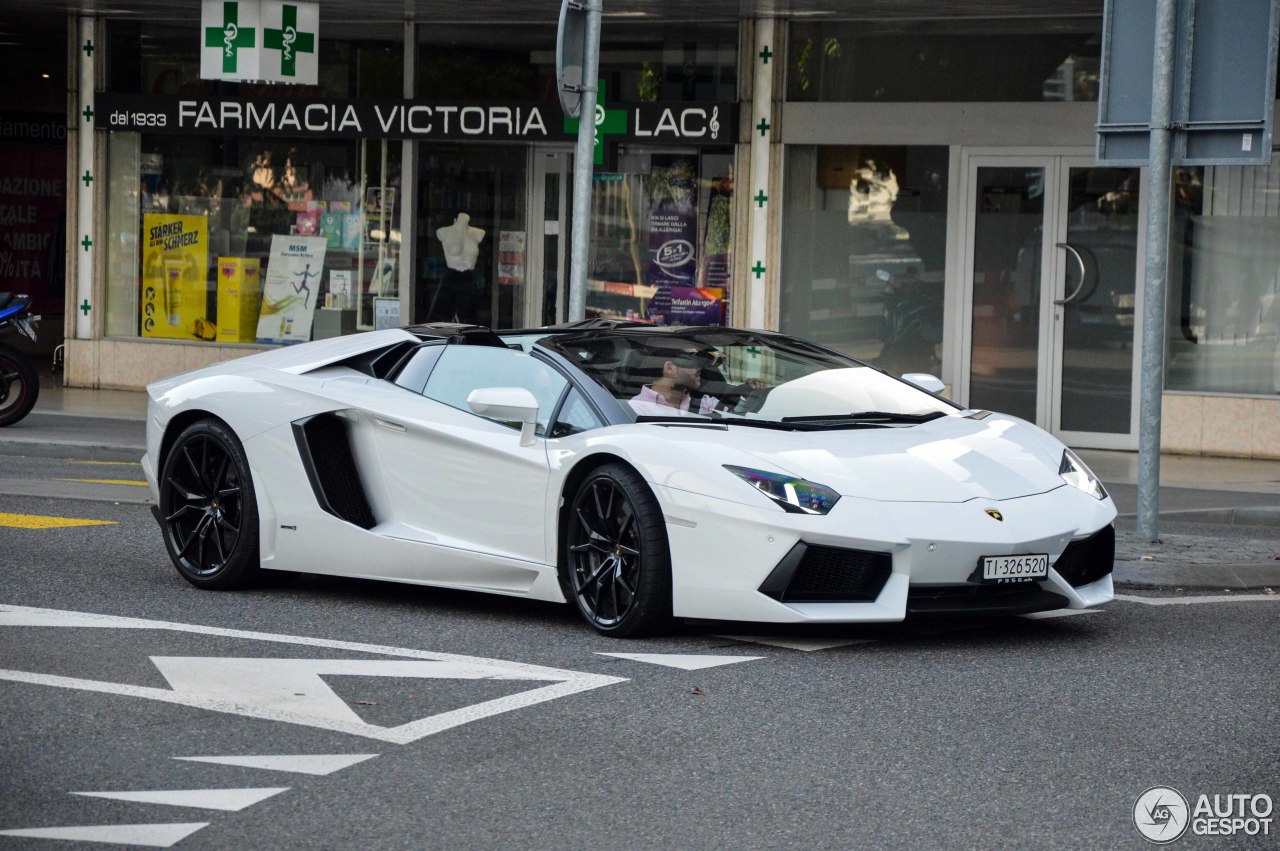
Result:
[{"x": 461, "y": 243}]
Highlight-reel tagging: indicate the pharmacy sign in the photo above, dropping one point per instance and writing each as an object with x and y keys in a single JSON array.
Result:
[{"x": 259, "y": 40}]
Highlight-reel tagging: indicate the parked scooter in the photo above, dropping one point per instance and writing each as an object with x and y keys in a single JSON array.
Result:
[{"x": 19, "y": 381}]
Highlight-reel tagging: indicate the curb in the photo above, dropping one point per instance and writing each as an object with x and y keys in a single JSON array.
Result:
[
  {"x": 1199, "y": 577},
  {"x": 70, "y": 449}
]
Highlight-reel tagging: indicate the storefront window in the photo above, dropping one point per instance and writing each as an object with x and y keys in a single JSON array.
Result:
[
  {"x": 864, "y": 252},
  {"x": 961, "y": 59},
  {"x": 471, "y": 234},
  {"x": 241, "y": 240},
  {"x": 661, "y": 245},
  {"x": 1224, "y": 281},
  {"x": 234, "y": 237}
]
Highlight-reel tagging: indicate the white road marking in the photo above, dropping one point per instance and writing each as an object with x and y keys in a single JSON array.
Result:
[
  {"x": 294, "y": 685},
  {"x": 808, "y": 645},
  {"x": 1186, "y": 601},
  {"x": 563, "y": 682},
  {"x": 683, "y": 661},
  {"x": 318, "y": 765},
  {"x": 42, "y": 617},
  {"x": 149, "y": 835},
  {"x": 1059, "y": 613},
  {"x": 228, "y": 800}
]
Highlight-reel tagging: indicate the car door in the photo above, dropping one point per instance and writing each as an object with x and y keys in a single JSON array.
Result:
[{"x": 461, "y": 481}]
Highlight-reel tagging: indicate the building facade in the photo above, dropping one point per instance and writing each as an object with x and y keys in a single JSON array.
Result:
[{"x": 916, "y": 188}]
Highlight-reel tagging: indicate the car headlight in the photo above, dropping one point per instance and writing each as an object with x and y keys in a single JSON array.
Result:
[
  {"x": 791, "y": 494},
  {"x": 1075, "y": 473}
]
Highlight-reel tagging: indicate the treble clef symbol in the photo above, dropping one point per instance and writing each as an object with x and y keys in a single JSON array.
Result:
[{"x": 715, "y": 122}]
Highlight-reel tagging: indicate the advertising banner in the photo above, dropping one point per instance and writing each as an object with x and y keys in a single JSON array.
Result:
[
  {"x": 673, "y": 229},
  {"x": 175, "y": 270},
  {"x": 696, "y": 306},
  {"x": 33, "y": 203},
  {"x": 289, "y": 293}
]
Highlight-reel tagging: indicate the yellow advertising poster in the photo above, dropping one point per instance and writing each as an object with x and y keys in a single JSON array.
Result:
[{"x": 175, "y": 266}]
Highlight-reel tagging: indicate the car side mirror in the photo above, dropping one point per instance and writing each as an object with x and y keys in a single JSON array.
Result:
[
  {"x": 513, "y": 404},
  {"x": 925, "y": 381}
]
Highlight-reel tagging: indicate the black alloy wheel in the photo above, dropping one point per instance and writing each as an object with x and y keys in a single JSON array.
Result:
[
  {"x": 19, "y": 386},
  {"x": 208, "y": 510},
  {"x": 618, "y": 559}
]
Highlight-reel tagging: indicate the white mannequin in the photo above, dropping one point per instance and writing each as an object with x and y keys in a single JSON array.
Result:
[{"x": 461, "y": 243}]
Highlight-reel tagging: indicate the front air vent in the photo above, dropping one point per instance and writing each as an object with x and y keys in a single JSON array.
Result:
[
  {"x": 1087, "y": 561},
  {"x": 817, "y": 574},
  {"x": 325, "y": 446}
]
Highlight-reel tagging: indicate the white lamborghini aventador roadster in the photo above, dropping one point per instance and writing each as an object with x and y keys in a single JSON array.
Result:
[{"x": 640, "y": 473}]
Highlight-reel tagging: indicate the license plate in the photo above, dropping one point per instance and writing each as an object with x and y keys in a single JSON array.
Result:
[{"x": 1019, "y": 568}]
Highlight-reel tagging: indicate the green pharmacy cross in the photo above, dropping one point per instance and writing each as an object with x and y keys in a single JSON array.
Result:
[
  {"x": 229, "y": 37},
  {"x": 288, "y": 41},
  {"x": 615, "y": 122},
  {"x": 85, "y": 307}
]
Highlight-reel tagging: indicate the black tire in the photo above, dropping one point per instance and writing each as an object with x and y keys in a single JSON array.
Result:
[
  {"x": 208, "y": 510},
  {"x": 19, "y": 386},
  {"x": 616, "y": 556}
]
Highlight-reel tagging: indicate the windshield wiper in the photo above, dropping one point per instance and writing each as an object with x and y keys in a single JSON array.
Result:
[
  {"x": 868, "y": 417},
  {"x": 721, "y": 422}
]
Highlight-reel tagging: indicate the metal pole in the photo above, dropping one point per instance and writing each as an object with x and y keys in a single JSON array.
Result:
[
  {"x": 1154, "y": 286},
  {"x": 582, "y": 166}
]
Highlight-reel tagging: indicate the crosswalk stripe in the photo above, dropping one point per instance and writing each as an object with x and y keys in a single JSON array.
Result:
[
  {"x": 229, "y": 800},
  {"x": 132, "y": 482},
  {"x": 36, "y": 521},
  {"x": 149, "y": 835}
]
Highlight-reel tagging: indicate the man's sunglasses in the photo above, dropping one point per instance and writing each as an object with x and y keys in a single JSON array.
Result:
[{"x": 697, "y": 360}]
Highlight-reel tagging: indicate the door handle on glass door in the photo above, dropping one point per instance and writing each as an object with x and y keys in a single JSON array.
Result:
[{"x": 1070, "y": 249}]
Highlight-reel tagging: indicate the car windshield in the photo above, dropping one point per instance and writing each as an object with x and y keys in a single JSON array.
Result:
[{"x": 751, "y": 377}]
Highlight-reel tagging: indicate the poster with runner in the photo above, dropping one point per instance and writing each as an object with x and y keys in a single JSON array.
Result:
[{"x": 291, "y": 288}]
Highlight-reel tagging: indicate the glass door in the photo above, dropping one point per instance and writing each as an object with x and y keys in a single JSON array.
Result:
[{"x": 1050, "y": 268}]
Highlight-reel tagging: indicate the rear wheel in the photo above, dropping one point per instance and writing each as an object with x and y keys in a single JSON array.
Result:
[
  {"x": 207, "y": 508},
  {"x": 617, "y": 557},
  {"x": 19, "y": 386}
]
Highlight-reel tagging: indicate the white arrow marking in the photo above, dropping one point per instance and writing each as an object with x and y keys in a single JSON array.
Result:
[
  {"x": 1186, "y": 601},
  {"x": 808, "y": 645},
  {"x": 683, "y": 661},
  {"x": 150, "y": 835},
  {"x": 315, "y": 764},
  {"x": 294, "y": 685},
  {"x": 563, "y": 683},
  {"x": 1059, "y": 613},
  {"x": 229, "y": 800}
]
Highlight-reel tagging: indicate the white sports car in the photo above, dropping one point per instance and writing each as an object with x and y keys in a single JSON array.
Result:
[{"x": 642, "y": 473}]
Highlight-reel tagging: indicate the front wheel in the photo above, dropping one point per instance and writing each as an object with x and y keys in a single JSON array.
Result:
[
  {"x": 19, "y": 386},
  {"x": 208, "y": 510},
  {"x": 617, "y": 556}
]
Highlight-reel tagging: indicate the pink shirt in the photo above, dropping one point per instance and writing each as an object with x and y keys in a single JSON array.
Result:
[{"x": 650, "y": 403}]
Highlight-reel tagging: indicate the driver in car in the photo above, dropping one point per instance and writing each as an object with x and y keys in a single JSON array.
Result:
[{"x": 672, "y": 392}]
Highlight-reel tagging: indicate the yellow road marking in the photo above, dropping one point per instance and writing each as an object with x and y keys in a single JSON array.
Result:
[
  {"x": 36, "y": 521},
  {"x": 132, "y": 482},
  {"x": 111, "y": 463}
]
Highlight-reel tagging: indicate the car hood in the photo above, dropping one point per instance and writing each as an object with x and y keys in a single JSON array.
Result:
[{"x": 950, "y": 459}]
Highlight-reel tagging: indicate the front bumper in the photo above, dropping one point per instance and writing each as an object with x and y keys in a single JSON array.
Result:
[{"x": 724, "y": 555}]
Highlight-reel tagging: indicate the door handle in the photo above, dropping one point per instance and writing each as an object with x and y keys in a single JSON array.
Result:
[
  {"x": 1080, "y": 265},
  {"x": 389, "y": 425}
]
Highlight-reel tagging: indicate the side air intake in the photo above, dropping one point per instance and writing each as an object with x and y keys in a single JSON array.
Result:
[{"x": 325, "y": 447}]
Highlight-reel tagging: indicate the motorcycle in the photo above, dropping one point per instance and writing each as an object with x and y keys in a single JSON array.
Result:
[{"x": 19, "y": 381}]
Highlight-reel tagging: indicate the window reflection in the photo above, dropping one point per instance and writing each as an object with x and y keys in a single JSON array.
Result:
[{"x": 864, "y": 250}]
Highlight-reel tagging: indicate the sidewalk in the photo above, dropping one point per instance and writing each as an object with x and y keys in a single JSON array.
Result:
[{"x": 1219, "y": 517}]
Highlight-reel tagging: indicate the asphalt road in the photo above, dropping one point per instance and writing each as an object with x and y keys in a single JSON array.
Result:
[{"x": 1007, "y": 733}]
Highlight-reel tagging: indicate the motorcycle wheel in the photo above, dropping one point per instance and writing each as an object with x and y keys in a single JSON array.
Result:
[{"x": 19, "y": 386}]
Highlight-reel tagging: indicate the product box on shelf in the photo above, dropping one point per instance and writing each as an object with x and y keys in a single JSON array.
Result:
[{"x": 239, "y": 299}]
